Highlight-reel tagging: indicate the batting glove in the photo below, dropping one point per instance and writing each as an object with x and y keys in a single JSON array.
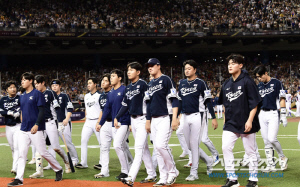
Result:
[
  {"x": 10, "y": 113},
  {"x": 16, "y": 114},
  {"x": 61, "y": 127},
  {"x": 283, "y": 119}
]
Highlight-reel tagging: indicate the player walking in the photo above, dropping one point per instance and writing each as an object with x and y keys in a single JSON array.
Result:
[
  {"x": 32, "y": 104},
  {"x": 288, "y": 102},
  {"x": 120, "y": 132},
  {"x": 51, "y": 105},
  {"x": 162, "y": 101},
  {"x": 10, "y": 109},
  {"x": 194, "y": 96},
  {"x": 273, "y": 94},
  {"x": 136, "y": 105},
  {"x": 219, "y": 107},
  {"x": 240, "y": 97},
  {"x": 92, "y": 112},
  {"x": 64, "y": 118}
]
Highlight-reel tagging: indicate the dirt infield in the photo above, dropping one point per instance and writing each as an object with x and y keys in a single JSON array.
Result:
[
  {"x": 80, "y": 183},
  {"x": 294, "y": 119}
]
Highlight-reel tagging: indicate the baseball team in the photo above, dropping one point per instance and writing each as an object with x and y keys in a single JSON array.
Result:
[{"x": 39, "y": 116}]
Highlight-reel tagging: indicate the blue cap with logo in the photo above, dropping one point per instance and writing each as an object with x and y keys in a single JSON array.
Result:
[{"x": 153, "y": 61}]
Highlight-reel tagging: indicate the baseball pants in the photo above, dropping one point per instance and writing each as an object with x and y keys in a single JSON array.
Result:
[
  {"x": 68, "y": 137},
  {"x": 12, "y": 133},
  {"x": 161, "y": 132},
  {"x": 298, "y": 108},
  {"x": 269, "y": 125},
  {"x": 87, "y": 131},
  {"x": 249, "y": 141},
  {"x": 154, "y": 154},
  {"x": 184, "y": 147},
  {"x": 141, "y": 148},
  {"x": 288, "y": 108},
  {"x": 220, "y": 111},
  {"x": 105, "y": 138},
  {"x": 38, "y": 140},
  {"x": 298, "y": 132},
  {"x": 205, "y": 139}
]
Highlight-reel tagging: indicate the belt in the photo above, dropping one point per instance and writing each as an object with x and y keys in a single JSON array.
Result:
[
  {"x": 135, "y": 116},
  {"x": 267, "y": 110},
  {"x": 108, "y": 120},
  {"x": 47, "y": 120}
]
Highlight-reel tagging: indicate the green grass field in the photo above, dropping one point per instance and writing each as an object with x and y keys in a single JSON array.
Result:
[{"x": 287, "y": 137}]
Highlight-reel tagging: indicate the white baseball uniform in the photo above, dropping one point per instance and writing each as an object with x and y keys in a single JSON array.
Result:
[{"x": 288, "y": 104}]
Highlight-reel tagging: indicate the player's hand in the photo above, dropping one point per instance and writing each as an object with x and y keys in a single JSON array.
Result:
[
  {"x": 175, "y": 125},
  {"x": 283, "y": 119},
  {"x": 34, "y": 129},
  {"x": 61, "y": 127},
  {"x": 148, "y": 126},
  {"x": 130, "y": 128},
  {"x": 10, "y": 113},
  {"x": 65, "y": 122},
  {"x": 98, "y": 127},
  {"x": 214, "y": 123},
  {"x": 248, "y": 126},
  {"x": 116, "y": 122},
  {"x": 16, "y": 114},
  {"x": 118, "y": 125}
]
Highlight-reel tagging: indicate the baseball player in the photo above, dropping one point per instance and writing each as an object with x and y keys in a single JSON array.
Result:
[
  {"x": 219, "y": 107},
  {"x": 10, "y": 109},
  {"x": 120, "y": 132},
  {"x": 106, "y": 130},
  {"x": 33, "y": 151},
  {"x": 32, "y": 103},
  {"x": 194, "y": 96},
  {"x": 161, "y": 102},
  {"x": 136, "y": 105},
  {"x": 273, "y": 94},
  {"x": 51, "y": 105},
  {"x": 298, "y": 103},
  {"x": 240, "y": 97},
  {"x": 184, "y": 146},
  {"x": 92, "y": 112},
  {"x": 288, "y": 102},
  {"x": 64, "y": 118}
]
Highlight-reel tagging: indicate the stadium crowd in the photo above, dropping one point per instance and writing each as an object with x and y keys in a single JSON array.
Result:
[
  {"x": 213, "y": 71},
  {"x": 150, "y": 16}
]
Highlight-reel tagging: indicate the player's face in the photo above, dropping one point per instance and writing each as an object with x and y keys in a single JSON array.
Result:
[
  {"x": 38, "y": 86},
  {"x": 234, "y": 67},
  {"x": 153, "y": 69},
  {"x": 262, "y": 78},
  {"x": 26, "y": 83},
  {"x": 105, "y": 83},
  {"x": 132, "y": 73},
  {"x": 91, "y": 85},
  {"x": 114, "y": 79},
  {"x": 55, "y": 87},
  {"x": 12, "y": 90},
  {"x": 189, "y": 70}
]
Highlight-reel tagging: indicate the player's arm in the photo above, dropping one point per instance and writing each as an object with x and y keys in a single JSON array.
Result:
[
  {"x": 248, "y": 125},
  {"x": 106, "y": 111},
  {"x": 3, "y": 111},
  {"x": 122, "y": 110},
  {"x": 69, "y": 110},
  {"x": 282, "y": 96},
  {"x": 41, "y": 114},
  {"x": 173, "y": 98},
  {"x": 207, "y": 102}
]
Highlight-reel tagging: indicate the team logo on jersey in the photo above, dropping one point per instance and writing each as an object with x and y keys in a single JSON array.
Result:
[
  {"x": 272, "y": 85},
  {"x": 195, "y": 84},
  {"x": 102, "y": 102},
  {"x": 187, "y": 91},
  {"x": 160, "y": 81},
  {"x": 90, "y": 104},
  {"x": 228, "y": 88},
  {"x": 119, "y": 93},
  {"x": 10, "y": 105},
  {"x": 233, "y": 96},
  {"x": 31, "y": 97},
  {"x": 131, "y": 94},
  {"x": 264, "y": 92},
  {"x": 240, "y": 87},
  {"x": 60, "y": 100},
  {"x": 154, "y": 89},
  {"x": 46, "y": 98},
  {"x": 138, "y": 86}
]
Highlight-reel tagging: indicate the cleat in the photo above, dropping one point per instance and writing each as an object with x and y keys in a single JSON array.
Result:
[
  {"x": 121, "y": 176},
  {"x": 283, "y": 163},
  {"x": 13, "y": 172},
  {"x": 244, "y": 163},
  {"x": 128, "y": 181},
  {"x": 16, "y": 182},
  {"x": 98, "y": 166},
  {"x": 191, "y": 178},
  {"x": 59, "y": 175},
  {"x": 171, "y": 180},
  {"x": 183, "y": 155},
  {"x": 37, "y": 175},
  {"x": 32, "y": 161},
  {"x": 47, "y": 167},
  {"x": 210, "y": 168},
  {"x": 216, "y": 160},
  {"x": 188, "y": 165},
  {"x": 79, "y": 166},
  {"x": 230, "y": 183},
  {"x": 149, "y": 179},
  {"x": 159, "y": 183},
  {"x": 269, "y": 168},
  {"x": 67, "y": 168},
  {"x": 99, "y": 175},
  {"x": 252, "y": 184}
]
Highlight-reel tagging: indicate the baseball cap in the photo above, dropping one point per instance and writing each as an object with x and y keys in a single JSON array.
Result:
[
  {"x": 55, "y": 81},
  {"x": 153, "y": 61}
]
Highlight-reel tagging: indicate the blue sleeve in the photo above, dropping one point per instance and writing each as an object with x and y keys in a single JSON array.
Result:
[
  {"x": 121, "y": 112},
  {"x": 41, "y": 115},
  {"x": 3, "y": 111},
  {"x": 106, "y": 110},
  {"x": 211, "y": 109},
  {"x": 40, "y": 99},
  {"x": 220, "y": 99},
  {"x": 148, "y": 116},
  {"x": 174, "y": 102},
  {"x": 253, "y": 95}
]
